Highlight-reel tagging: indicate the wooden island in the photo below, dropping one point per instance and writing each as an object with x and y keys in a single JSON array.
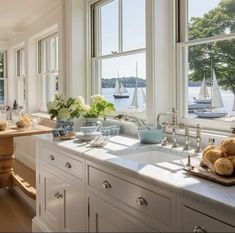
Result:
[{"x": 7, "y": 176}]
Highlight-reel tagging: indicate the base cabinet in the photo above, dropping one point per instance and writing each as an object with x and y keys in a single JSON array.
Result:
[
  {"x": 104, "y": 217},
  {"x": 61, "y": 203},
  {"x": 195, "y": 221}
]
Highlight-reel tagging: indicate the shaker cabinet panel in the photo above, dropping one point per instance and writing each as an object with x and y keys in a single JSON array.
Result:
[
  {"x": 51, "y": 188},
  {"x": 107, "y": 218},
  {"x": 195, "y": 221}
]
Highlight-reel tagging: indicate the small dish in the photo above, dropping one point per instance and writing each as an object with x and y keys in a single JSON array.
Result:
[
  {"x": 68, "y": 136},
  {"x": 87, "y": 136}
]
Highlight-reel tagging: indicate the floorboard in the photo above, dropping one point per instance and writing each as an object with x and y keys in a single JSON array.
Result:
[{"x": 15, "y": 213}]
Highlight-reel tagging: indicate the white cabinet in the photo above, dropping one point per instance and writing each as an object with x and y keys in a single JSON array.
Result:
[
  {"x": 104, "y": 217},
  {"x": 60, "y": 192},
  {"x": 61, "y": 203},
  {"x": 198, "y": 222}
]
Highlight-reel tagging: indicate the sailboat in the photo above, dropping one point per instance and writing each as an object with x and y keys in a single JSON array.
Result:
[
  {"x": 135, "y": 102},
  {"x": 203, "y": 101},
  {"x": 216, "y": 102},
  {"x": 120, "y": 91}
]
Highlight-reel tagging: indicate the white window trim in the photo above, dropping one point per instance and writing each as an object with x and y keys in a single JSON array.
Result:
[
  {"x": 92, "y": 83},
  {"x": 5, "y": 77},
  {"x": 181, "y": 87},
  {"x": 40, "y": 74},
  {"x": 21, "y": 76}
]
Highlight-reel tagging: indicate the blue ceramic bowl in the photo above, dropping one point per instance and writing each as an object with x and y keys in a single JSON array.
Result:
[
  {"x": 88, "y": 129},
  {"x": 150, "y": 136}
]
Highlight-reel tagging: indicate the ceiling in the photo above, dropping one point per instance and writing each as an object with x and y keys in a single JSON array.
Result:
[{"x": 15, "y": 15}]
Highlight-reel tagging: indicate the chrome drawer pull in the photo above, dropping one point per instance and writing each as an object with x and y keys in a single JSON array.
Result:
[
  {"x": 199, "y": 229},
  {"x": 58, "y": 195},
  {"x": 52, "y": 158},
  {"x": 68, "y": 165},
  {"x": 106, "y": 185},
  {"x": 141, "y": 201}
]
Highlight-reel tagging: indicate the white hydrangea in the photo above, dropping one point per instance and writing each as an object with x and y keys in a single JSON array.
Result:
[
  {"x": 97, "y": 98},
  {"x": 64, "y": 114},
  {"x": 53, "y": 105}
]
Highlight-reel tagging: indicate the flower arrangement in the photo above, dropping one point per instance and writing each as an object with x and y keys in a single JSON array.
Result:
[
  {"x": 65, "y": 109},
  {"x": 70, "y": 108},
  {"x": 99, "y": 107}
]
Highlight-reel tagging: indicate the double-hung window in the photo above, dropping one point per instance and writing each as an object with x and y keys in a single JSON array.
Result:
[
  {"x": 20, "y": 73},
  {"x": 206, "y": 62},
  {"x": 3, "y": 77},
  {"x": 119, "y": 53},
  {"x": 47, "y": 69}
]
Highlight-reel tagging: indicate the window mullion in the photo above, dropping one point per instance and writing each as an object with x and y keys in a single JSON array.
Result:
[{"x": 120, "y": 25}]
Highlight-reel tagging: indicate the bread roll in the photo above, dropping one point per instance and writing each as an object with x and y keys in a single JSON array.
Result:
[
  {"x": 223, "y": 167},
  {"x": 209, "y": 147},
  {"x": 232, "y": 159},
  {"x": 212, "y": 155},
  {"x": 228, "y": 146}
]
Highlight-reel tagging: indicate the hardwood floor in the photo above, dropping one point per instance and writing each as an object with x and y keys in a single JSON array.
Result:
[{"x": 15, "y": 213}]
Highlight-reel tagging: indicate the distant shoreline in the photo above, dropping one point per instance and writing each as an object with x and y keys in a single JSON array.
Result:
[{"x": 130, "y": 82}]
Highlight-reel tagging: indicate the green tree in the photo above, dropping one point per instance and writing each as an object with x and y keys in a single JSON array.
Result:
[{"x": 220, "y": 54}]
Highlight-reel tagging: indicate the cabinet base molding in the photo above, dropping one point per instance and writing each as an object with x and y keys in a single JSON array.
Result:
[{"x": 38, "y": 225}]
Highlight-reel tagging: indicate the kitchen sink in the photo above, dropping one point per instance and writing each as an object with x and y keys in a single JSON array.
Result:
[{"x": 153, "y": 157}]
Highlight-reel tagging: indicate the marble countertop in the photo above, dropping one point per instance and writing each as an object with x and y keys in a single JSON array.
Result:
[{"x": 167, "y": 175}]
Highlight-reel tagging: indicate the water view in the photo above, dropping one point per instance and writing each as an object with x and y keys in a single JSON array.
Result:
[{"x": 124, "y": 104}]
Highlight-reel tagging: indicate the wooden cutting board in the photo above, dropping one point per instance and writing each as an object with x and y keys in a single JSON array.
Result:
[{"x": 203, "y": 172}]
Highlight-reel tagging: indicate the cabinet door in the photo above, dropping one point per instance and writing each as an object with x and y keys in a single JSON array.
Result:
[
  {"x": 51, "y": 195},
  {"x": 104, "y": 217},
  {"x": 194, "y": 221},
  {"x": 73, "y": 209}
]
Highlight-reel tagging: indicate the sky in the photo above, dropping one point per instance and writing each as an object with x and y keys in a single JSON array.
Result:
[{"x": 133, "y": 34}]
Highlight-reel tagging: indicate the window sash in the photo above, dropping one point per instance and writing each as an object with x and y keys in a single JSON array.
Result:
[
  {"x": 96, "y": 31},
  {"x": 182, "y": 70}
]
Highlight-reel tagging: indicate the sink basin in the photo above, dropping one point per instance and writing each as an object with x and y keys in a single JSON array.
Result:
[{"x": 153, "y": 157}]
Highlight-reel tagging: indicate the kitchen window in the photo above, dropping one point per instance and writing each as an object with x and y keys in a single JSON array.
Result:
[
  {"x": 20, "y": 73},
  {"x": 119, "y": 53},
  {"x": 206, "y": 61},
  {"x": 3, "y": 77},
  {"x": 47, "y": 70}
]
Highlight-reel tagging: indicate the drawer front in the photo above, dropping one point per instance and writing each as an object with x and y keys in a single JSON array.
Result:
[
  {"x": 194, "y": 221},
  {"x": 150, "y": 203},
  {"x": 63, "y": 162}
]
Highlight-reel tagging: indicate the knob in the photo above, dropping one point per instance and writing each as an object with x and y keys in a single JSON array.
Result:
[
  {"x": 141, "y": 201},
  {"x": 56, "y": 195},
  {"x": 199, "y": 229},
  {"x": 52, "y": 157},
  {"x": 68, "y": 165},
  {"x": 106, "y": 185}
]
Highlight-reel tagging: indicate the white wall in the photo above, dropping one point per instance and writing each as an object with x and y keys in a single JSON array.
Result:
[
  {"x": 3, "y": 45},
  {"x": 25, "y": 146}
]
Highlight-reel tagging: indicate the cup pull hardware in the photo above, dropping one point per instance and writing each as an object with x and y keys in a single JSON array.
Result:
[
  {"x": 106, "y": 185},
  {"x": 141, "y": 201}
]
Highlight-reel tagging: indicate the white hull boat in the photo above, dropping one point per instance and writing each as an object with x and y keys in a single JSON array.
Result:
[{"x": 216, "y": 102}]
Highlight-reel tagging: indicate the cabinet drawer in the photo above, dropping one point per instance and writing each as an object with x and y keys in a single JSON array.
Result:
[
  {"x": 150, "y": 203},
  {"x": 195, "y": 221},
  {"x": 63, "y": 162}
]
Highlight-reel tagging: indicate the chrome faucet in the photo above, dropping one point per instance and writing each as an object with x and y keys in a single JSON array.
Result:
[
  {"x": 187, "y": 138},
  {"x": 198, "y": 139},
  {"x": 165, "y": 139}
]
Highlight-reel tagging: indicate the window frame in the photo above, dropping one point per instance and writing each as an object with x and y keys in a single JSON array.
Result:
[
  {"x": 182, "y": 71},
  {"x": 40, "y": 72},
  {"x": 97, "y": 57},
  {"x": 4, "y": 78},
  {"x": 20, "y": 74}
]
